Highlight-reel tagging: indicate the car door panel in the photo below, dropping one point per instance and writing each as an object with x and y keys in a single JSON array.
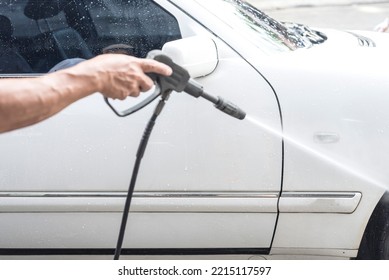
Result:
[{"x": 63, "y": 180}]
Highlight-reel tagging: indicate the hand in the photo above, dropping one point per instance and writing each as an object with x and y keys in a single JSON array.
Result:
[{"x": 118, "y": 76}]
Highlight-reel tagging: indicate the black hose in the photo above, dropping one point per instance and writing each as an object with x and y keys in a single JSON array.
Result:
[{"x": 139, "y": 155}]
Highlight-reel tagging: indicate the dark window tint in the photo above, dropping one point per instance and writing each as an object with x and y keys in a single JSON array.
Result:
[
  {"x": 35, "y": 35},
  {"x": 139, "y": 23}
]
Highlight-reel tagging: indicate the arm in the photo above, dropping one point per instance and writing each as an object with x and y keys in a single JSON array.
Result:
[{"x": 26, "y": 101}]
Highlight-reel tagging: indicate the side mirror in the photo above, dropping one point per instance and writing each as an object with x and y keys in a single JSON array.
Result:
[{"x": 198, "y": 55}]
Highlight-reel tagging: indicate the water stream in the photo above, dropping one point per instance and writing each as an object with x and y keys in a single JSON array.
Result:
[{"x": 313, "y": 152}]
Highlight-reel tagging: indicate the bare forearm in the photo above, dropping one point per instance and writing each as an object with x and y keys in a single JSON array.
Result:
[{"x": 29, "y": 100}]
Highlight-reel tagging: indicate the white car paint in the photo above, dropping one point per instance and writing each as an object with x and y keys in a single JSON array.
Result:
[{"x": 301, "y": 185}]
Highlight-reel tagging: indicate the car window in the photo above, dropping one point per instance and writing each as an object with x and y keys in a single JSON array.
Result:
[
  {"x": 36, "y": 35},
  {"x": 139, "y": 23}
]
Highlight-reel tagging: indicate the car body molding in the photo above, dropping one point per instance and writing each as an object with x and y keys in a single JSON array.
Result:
[{"x": 319, "y": 202}]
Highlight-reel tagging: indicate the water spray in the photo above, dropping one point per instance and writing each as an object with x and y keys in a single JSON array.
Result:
[
  {"x": 358, "y": 173},
  {"x": 178, "y": 81}
]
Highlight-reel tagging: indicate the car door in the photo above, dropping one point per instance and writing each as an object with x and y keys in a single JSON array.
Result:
[{"x": 208, "y": 183}]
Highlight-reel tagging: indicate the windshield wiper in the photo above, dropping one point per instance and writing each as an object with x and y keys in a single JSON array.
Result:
[
  {"x": 313, "y": 36},
  {"x": 269, "y": 23}
]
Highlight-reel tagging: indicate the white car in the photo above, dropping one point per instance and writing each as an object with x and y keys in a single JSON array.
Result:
[{"x": 304, "y": 175}]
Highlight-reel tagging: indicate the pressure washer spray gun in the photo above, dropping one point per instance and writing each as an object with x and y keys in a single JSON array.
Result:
[{"x": 178, "y": 81}]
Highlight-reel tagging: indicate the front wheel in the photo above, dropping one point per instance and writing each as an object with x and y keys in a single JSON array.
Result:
[{"x": 375, "y": 241}]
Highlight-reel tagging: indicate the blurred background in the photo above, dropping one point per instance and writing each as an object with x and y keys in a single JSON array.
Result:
[{"x": 340, "y": 14}]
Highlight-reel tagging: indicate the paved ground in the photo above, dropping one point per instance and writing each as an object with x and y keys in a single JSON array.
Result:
[
  {"x": 282, "y": 4},
  {"x": 341, "y": 14}
]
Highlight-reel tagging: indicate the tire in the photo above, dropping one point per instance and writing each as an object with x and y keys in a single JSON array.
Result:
[{"x": 375, "y": 240}]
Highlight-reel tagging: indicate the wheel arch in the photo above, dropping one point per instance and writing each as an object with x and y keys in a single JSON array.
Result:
[{"x": 375, "y": 241}]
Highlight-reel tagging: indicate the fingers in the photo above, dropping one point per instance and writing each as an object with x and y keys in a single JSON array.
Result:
[
  {"x": 120, "y": 76},
  {"x": 140, "y": 84},
  {"x": 150, "y": 66},
  {"x": 145, "y": 84},
  {"x": 153, "y": 66}
]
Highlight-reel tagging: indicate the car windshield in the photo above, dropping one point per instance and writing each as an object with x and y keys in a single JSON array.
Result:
[{"x": 265, "y": 32}]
